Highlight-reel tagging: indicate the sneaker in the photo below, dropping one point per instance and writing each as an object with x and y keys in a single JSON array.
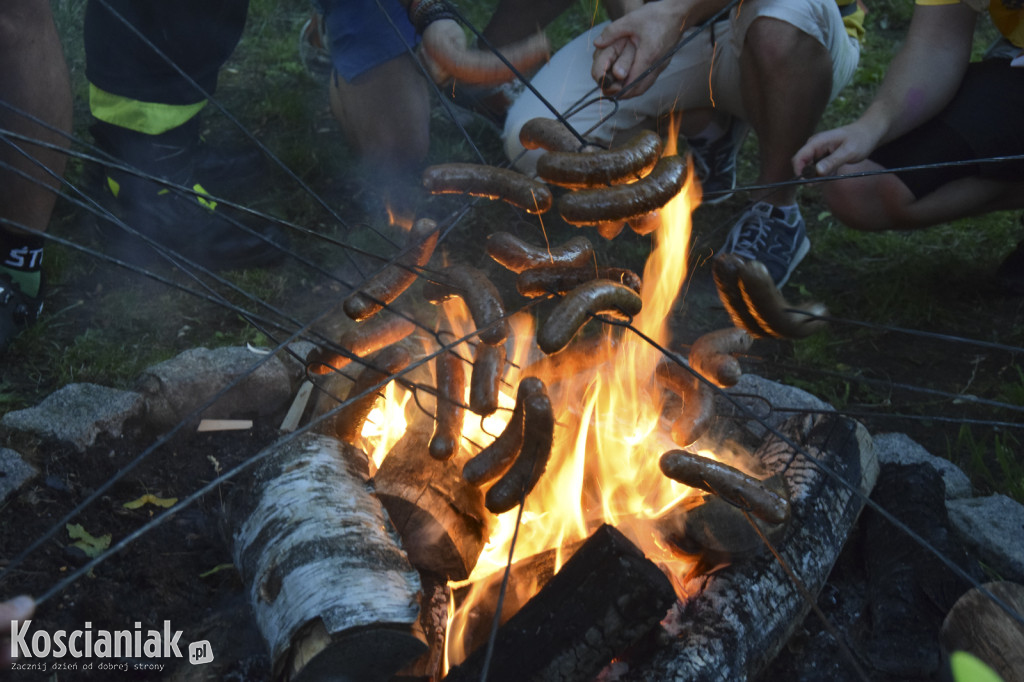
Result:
[
  {"x": 17, "y": 310},
  {"x": 715, "y": 161},
  {"x": 1011, "y": 272},
  {"x": 763, "y": 234}
]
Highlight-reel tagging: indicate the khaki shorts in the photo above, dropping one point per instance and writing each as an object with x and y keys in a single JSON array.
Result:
[{"x": 704, "y": 73}]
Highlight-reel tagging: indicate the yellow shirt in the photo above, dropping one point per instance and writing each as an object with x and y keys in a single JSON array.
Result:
[
  {"x": 1010, "y": 22},
  {"x": 853, "y": 12}
]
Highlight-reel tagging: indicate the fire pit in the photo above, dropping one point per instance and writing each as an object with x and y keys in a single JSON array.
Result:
[{"x": 560, "y": 463}]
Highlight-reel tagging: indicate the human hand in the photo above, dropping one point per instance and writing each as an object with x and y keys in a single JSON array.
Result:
[
  {"x": 446, "y": 54},
  {"x": 824, "y": 153},
  {"x": 18, "y": 608},
  {"x": 629, "y": 46}
]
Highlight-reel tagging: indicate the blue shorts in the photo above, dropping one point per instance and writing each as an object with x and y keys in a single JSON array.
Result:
[{"x": 361, "y": 36}]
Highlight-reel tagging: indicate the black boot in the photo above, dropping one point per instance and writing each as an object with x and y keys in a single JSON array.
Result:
[{"x": 189, "y": 225}]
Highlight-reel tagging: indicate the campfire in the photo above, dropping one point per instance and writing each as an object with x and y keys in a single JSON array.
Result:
[{"x": 496, "y": 478}]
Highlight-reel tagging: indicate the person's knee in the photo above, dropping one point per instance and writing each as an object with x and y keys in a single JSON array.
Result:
[
  {"x": 867, "y": 204},
  {"x": 773, "y": 41}
]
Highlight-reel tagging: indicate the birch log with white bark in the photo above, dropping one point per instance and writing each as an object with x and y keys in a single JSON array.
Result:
[{"x": 332, "y": 592}]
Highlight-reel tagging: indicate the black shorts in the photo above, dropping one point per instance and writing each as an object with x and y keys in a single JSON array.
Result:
[
  {"x": 984, "y": 120},
  {"x": 197, "y": 35}
]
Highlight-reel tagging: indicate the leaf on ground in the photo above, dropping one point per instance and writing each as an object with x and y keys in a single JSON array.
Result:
[
  {"x": 92, "y": 546},
  {"x": 150, "y": 498},
  {"x": 216, "y": 569}
]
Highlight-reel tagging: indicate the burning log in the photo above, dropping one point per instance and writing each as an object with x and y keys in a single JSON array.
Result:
[
  {"x": 525, "y": 578},
  {"x": 347, "y": 423},
  {"x": 437, "y": 596},
  {"x": 605, "y": 598},
  {"x": 742, "y": 615},
  {"x": 439, "y": 516},
  {"x": 332, "y": 592}
]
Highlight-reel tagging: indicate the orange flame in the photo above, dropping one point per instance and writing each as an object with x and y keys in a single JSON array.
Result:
[{"x": 609, "y": 435}]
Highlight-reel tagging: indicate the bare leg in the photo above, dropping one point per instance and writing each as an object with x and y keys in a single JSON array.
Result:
[
  {"x": 33, "y": 78},
  {"x": 882, "y": 202},
  {"x": 385, "y": 114},
  {"x": 786, "y": 77}
]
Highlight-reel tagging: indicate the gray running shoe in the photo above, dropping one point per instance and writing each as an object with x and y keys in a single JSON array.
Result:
[
  {"x": 715, "y": 161},
  {"x": 763, "y": 234}
]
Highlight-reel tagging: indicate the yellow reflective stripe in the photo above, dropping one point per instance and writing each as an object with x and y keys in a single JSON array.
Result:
[
  {"x": 151, "y": 118},
  {"x": 201, "y": 191}
]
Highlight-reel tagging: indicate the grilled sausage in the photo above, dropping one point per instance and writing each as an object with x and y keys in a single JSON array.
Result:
[
  {"x": 485, "y": 380},
  {"x": 491, "y": 182},
  {"x": 549, "y": 134},
  {"x": 389, "y": 283},
  {"x": 698, "y": 402},
  {"x": 448, "y": 410},
  {"x": 625, "y": 202},
  {"x": 773, "y": 313},
  {"x": 365, "y": 338},
  {"x": 725, "y": 269},
  {"x": 544, "y": 281},
  {"x": 711, "y": 355},
  {"x": 480, "y": 296},
  {"x": 617, "y": 166},
  {"x": 736, "y": 487},
  {"x": 496, "y": 458},
  {"x": 518, "y": 255},
  {"x": 522, "y": 476},
  {"x": 573, "y": 311}
]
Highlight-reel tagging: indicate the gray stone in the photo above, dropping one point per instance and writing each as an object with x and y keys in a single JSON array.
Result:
[
  {"x": 296, "y": 357},
  {"x": 775, "y": 402},
  {"x": 176, "y": 388},
  {"x": 993, "y": 528},
  {"x": 14, "y": 472},
  {"x": 899, "y": 448},
  {"x": 78, "y": 413}
]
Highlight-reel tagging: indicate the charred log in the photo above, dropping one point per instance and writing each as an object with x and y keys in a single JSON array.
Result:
[
  {"x": 742, "y": 614},
  {"x": 605, "y": 598}
]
